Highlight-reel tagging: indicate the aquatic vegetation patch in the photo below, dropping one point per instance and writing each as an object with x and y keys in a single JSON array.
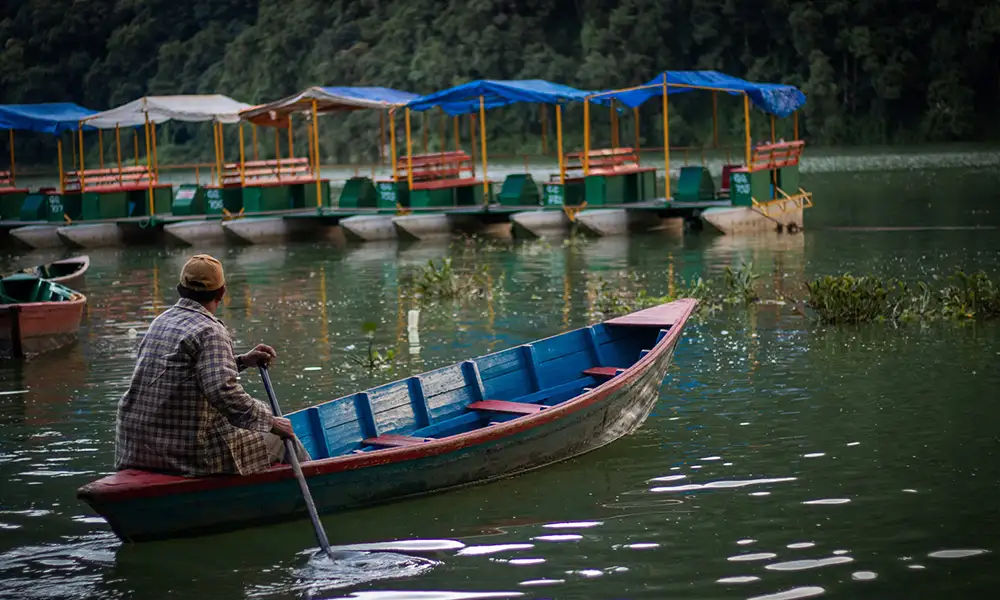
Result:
[
  {"x": 846, "y": 299},
  {"x": 444, "y": 282},
  {"x": 373, "y": 360}
]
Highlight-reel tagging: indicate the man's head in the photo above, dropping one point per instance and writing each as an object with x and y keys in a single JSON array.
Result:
[{"x": 203, "y": 281}]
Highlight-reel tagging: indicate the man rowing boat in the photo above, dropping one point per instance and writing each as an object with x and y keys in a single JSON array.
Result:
[{"x": 184, "y": 412}]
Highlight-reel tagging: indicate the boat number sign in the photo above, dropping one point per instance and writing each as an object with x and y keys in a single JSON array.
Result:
[
  {"x": 741, "y": 183},
  {"x": 554, "y": 195},
  {"x": 55, "y": 205},
  {"x": 214, "y": 198},
  {"x": 387, "y": 192}
]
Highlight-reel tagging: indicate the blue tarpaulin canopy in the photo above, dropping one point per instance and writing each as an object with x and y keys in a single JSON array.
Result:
[
  {"x": 464, "y": 99},
  {"x": 775, "y": 99},
  {"x": 45, "y": 118},
  {"x": 328, "y": 99}
]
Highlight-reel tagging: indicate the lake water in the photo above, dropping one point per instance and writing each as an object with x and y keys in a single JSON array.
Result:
[{"x": 784, "y": 459}]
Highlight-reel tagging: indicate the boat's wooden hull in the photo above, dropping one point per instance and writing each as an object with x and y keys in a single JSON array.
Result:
[
  {"x": 143, "y": 506},
  {"x": 35, "y": 327},
  {"x": 76, "y": 278}
]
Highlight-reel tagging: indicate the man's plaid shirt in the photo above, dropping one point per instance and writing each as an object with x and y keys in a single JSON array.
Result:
[{"x": 184, "y": 411}]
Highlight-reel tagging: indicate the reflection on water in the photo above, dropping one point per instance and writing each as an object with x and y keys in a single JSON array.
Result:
[{"x": 784, "y": 459}]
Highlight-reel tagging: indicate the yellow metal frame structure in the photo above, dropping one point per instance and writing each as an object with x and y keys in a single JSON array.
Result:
[{"x": 801, "y": 199}]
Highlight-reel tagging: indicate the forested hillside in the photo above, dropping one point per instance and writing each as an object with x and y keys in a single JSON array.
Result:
[{"x": 873, "y": 70}]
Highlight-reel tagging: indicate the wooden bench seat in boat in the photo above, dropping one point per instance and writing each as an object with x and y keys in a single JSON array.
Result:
[
  {"x": 390, "y": 440},
  {"x": 603, "y": 372},
  {"x": 127, "y": 179},
  {"x": 603, "y": 161},
  {"x": 503, "y": 406},
  {"x": 7, "y": 184},
  {"x": 267, "y": 173}
]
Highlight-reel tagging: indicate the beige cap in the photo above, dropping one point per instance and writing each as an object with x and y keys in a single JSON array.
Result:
[{"x": 202, "y": 273}]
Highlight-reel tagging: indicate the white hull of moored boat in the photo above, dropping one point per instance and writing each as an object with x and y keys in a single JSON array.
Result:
[
  {"x": 92, "y": 235},
  {"x": 533, "y": 224},
  {"x": 38, "y": 236},
  {"x": 369, "y": 228},
  {"x": 603, "y": 222},
  {"x": 783, "y": 216},
  {"x": 196, "y": 233}
]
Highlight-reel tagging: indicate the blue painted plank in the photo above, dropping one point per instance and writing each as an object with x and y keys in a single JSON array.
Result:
[
  {"x": 567, "y": 367},
  {"x": 560, "y": 345},
  {"x": 595, "y": 347},
  {"x": 446, "y": 392},
  {"x": 363, "y": 407},
  {"x": 391, "y": 407},
  {"x": 464, "y": 422},
  {"x": 472, "y": 379},
  {"x": 531, "y": 366},
  {"x": 663, "y": 333},
  {"x": 418, "y": 402},
  {"x": 571, "y": 386},
  {"x": 320, "y": 447},
  {"x": 510, "y": 385}
]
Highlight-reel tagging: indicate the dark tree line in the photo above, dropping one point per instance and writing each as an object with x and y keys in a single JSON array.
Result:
[{"x": 875, "y": 71}]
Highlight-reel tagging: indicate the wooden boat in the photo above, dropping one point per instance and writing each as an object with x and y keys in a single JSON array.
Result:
[
  {"x": 69, "y": 272},
  {"x": 37, "y": 315},
  {"x": 475, "y": 421}
]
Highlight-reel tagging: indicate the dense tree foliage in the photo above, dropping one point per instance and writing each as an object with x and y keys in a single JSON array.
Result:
[{"x": 873, "y": 70}]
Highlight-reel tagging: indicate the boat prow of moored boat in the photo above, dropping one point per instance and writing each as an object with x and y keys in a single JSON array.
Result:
[
  {"x": 37, "y": 315},
  {"x": 478, "y": 420},
  {"x": 69, "y": 272}
]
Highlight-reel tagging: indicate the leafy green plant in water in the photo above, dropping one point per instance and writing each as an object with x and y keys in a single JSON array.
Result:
[
  {"x": 848, "y": 299},
  {"x": 970, "y": 296},
  {"x": 373, "y": 360},
  {"x": 445, "y": 283},
  {"x": 740, "y": 285}
]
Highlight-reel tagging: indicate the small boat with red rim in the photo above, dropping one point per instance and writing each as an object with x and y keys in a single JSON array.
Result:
[
  {"x": 69, "y": 272},
  {"x": 481, "y": 419},
  {"x": 37, "y": 315}
]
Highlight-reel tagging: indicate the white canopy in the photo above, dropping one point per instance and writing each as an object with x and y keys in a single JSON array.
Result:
[{"x": 207, "y": 107}]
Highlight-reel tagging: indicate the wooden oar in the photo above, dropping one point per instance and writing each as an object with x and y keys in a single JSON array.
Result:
[{"x": 294, "y": 458}]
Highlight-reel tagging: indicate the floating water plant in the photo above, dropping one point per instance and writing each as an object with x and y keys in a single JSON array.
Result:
[
  {"x": 740, "y": 285},
  {"x": 443, "y": 282}
]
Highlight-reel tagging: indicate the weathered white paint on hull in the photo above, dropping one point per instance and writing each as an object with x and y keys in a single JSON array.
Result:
[
  {"x": 369, "y": 228},
  {"x": 38, "y": 236},
  {"x": 92, "y": 235},
  {"x": 269, "y": 230},
  {"x": 196, "y": 233},
  {"x": 745, "y": 219},
  {"x": 426, "y": 226},
  {"x": 533, "y": 224},
  {"x": 604, "y": 222}
]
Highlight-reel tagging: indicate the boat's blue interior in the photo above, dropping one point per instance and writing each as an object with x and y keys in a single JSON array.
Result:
[{"x": 474, "y": 393}]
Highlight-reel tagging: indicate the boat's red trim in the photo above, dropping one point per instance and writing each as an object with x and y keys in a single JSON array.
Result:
[{"x": 133, "y": 485}]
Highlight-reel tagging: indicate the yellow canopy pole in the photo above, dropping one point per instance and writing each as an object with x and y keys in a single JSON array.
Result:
[
  {"x": 666, "y": 140},
  {"x": 242, "y": 167},
  {"x": 72, "y": 147},
  {"x": 156, "y": 156},
  {"x": 222, "y": 151},
  {"x": 82, "y": 182},
  {"x": 392, "y": 143},
  {"x": 482, "y": 134},
  {"x": 13, "y": 176},
  {"x": 614, "y": 125},
  {"x": 381, "y": 138},
  {"x": 456, "y": 133},
  {"x": 291, "y": 139},
  {"x": 715, "y": 119},
  {"x": 795, "y": 124},
  {"x": 746, "y": 120},
  {"x": 586, "y": 137},
  {"x": 409, "y": 151},
  {"x": 277, "y": 151},
  {"x": 444, "y": 130},
  {"x": 149, "y": 167},
  {"x": 62, "y": 179},
  {"x": 559, "y": 143},
  {"x": 319, "y": 193},
  {"x": 773, "y": 139},
  {"x": 215, "y": 151},
  {"x": 472, "y": 142},
  {"x": 100, "y": 147},
  {"x": 118, "y": 151},
  {"x": 423, "y": 128},
  {"x": 253, "y": 140},
  {"x": 638, "y": 149},
  {"x": 545, "y": 129},
  {"x": 309, "y": 139},
  {"x": 135, "y": 146}
]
